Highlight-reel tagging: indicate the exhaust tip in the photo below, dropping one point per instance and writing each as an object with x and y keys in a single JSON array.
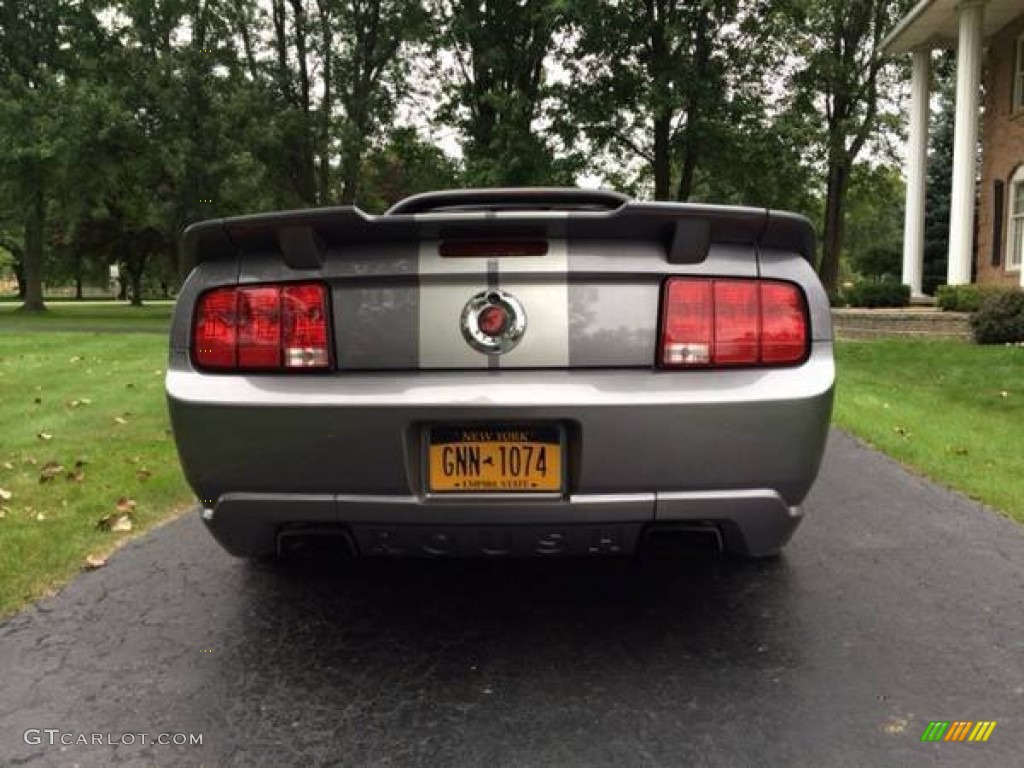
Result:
[
  {"x": 304, "y": 542},
  {"x": 672, "y": 541}
]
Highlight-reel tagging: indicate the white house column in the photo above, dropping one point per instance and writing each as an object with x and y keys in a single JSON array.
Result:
[
  {"x": 917, "y": 163},
  {"x": 965, "y": 141}
]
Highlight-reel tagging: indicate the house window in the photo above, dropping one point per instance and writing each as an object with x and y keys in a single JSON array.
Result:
[
  {"x": 1018, "y": 75},
  {"x": 1015, "y": 230}
]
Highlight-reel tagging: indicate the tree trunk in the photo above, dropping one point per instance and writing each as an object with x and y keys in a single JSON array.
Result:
[
  {"x": 689, "y": 168},
  {"x": 135, "y": 294},
  {"x": 32, "y": 264},
  {"x": 662, "y": 159},
  {"x": 691, "y": 138},
  {"x": 352, "y": 161},
  {"x": 835, "y": 202},
  {"x": 78, "y": 285},
  {"x": 326, "y": 103}
]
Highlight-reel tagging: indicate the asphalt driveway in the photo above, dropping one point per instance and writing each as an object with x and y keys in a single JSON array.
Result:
[{"x": 897, "y": 603}]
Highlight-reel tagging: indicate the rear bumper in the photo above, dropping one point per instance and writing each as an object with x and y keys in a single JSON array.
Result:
[
  {"x": 752, "y": 522},
  {"x": 738, "y": 448}
]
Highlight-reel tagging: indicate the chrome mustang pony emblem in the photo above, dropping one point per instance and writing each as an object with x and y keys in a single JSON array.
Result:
[{"x": 493, "y": 322}]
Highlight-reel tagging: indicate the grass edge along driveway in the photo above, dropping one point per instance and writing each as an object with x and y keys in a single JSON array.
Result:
[
  {"x": 949, "y": 410},
  {"x": 86, "y": 455}
]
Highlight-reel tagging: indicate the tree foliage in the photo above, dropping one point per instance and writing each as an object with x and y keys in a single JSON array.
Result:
[
  {"x": 122, "y": 121},
  {"x": 840, "y": 85},
  {"x": 499, "y": 87},
  {"x": 874, "y": 221},
  {"x": 680, "y": 92}
]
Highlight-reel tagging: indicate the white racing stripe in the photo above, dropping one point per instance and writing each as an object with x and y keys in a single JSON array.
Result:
[
  {"x": 539, "y": 282},
  {"x": 445, "y": 287}
]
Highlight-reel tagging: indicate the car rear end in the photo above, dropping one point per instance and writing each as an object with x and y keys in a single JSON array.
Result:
[{"x": 502, "y": 373}]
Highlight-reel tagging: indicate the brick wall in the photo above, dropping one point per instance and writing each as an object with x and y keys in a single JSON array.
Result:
[
  {"x": 1003, "y": 147},
  {"x": 907, "y": 323}
]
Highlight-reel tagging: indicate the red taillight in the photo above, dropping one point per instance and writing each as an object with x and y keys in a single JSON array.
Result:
[
  {"x": 304, "y": 326},
  {"x": 737, "y": 325},
  {"x": 214, "y": 338},
  {"x": 259, "y": 328},
  {"x": 262, "y": 327},
  {"x": 783, "y": 323},
  {"x": 711, "y": 322}
]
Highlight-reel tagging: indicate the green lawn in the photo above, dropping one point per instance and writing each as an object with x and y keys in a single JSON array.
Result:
[
  {"x": 952, "y": 411},
  {"x": 152, "y": 317},
  {"x": 67, "y": 398}
]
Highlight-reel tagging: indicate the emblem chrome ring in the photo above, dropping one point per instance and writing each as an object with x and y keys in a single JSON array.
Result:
[{"x": 512, "y": 329}]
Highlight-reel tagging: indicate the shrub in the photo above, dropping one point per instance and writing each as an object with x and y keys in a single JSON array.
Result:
[
  {"x": 1000, "y": 320},
  {"x": 966, "y": 298},
  {"x": 870, "y": 293}
]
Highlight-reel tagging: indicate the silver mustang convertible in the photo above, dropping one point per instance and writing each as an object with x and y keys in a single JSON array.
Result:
[{"x": 502, "y": 372}]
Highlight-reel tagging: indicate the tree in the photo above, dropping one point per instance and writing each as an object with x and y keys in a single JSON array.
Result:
[
  {"x": 874, "y": 220},
  {"x": 499, "y": 88},
  {"x": 649, "y": 81},
  {"x": 405, "y": 165},
  {"x": 677, "y": 98},
  {"x": 370, "y": 73},
  {"x": 331, "y": 83},
  {"x": 38, "y": 51},
  {"x": 840, "y": 83}
]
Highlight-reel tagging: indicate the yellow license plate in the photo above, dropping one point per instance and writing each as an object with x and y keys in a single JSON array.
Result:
[{"x": 495, "y": 459}]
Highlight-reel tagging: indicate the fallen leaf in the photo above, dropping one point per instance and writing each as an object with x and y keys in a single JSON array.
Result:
[
  {"x": 31, "y": 460},
  {"x": 5, "y": 495},
  {"x": 125, "y": 505},
  {"x": 75, "y": 359},
  {"x": 4, "y": 511},
  {"x": 40, "y": 517},
  {"x": 92, "y": 562},
  {"x": 119, "y": 420},
  {"x": 49, "y": 471},
  {"x": 123, "y": 524},
  {"x": 45, "y": 436},
  {"x": 76, "y": 476},
  {"x": 1004, "y": 393},
  {"x": 8, "y": 465},
  {"x": 143, "y": 474}
]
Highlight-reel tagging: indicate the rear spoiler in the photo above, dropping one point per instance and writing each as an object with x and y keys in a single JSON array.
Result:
[{"x": 687, "y": 230}]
